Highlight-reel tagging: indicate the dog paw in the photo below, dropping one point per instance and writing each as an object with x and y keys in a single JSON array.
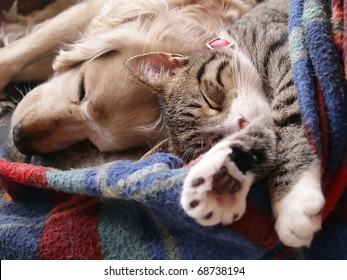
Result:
[
  {"x": 12, "y": 14},
  {"x": 7, "y": 70},
  {"x": 299, "y": 214},
  {"x": 10, "y": 32},
  {"x": 5, "y": 79},
  {"x": 215, "y": 189}
]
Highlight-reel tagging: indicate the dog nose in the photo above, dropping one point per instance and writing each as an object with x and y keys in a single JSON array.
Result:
[
  {"x": 21, "y": 140},
  {"x": 18, "y": 133}
]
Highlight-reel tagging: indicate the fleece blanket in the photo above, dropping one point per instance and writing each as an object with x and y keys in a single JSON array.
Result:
[{"x": 130, "y": 209}]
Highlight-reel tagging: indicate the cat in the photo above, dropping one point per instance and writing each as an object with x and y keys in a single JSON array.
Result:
[{"x": 237, "y": 105}]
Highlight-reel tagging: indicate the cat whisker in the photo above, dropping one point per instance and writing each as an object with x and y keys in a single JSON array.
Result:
[{"x": 187, "y": 154}]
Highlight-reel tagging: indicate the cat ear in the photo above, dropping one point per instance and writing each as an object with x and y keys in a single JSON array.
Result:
[{"x": 155, "y": 69}]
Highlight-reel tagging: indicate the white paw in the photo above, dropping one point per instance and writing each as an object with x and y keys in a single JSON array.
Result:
[
  {"x": 299, "y": 213},
  {"x": 215, "y": 189}
]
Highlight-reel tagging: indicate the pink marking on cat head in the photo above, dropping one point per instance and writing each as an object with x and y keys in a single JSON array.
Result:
[{"x": 219, "y": 43}]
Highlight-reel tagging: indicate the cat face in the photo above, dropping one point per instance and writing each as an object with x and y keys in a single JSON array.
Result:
[{"x": 207, "y": 95}]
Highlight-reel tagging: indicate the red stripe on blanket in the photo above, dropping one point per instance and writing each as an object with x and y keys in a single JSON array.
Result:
[
  {"x": 25, "y": 174},
  {"x": 345, "y": 36},
  {"x": 335, "y": 189},
  {"x": 71, "y": 230},
  {"x": 323, "y": 124},
  {"x": 338, "y": 215},
  {"x": 263, "y": 233},
  {"x": 337, "y": 15}
]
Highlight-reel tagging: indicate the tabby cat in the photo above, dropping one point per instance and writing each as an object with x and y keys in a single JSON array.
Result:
[{"x": 238, "y": 105}]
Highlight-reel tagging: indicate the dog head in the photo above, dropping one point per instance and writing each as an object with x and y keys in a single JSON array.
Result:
[{"x": 93, "y": 99}]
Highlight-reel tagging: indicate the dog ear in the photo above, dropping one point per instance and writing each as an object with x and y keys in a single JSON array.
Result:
[
  {"x": 87, "y": 49},
  {"x": 155, "y": 69}
]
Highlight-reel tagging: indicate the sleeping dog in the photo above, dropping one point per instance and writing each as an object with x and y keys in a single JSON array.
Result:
[{"x": 81, "y": 54}]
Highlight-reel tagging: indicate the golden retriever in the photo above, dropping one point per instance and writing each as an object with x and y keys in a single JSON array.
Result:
[{"x": 90, "y": 95}]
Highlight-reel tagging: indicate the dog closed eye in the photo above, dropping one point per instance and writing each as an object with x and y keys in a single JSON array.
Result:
[{"x": 82, "y": 90}]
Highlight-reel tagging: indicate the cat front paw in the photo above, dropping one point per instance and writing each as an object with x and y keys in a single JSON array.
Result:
[
  {"x": 299, "y": 213},
  {"x": 215, "y": 189}
]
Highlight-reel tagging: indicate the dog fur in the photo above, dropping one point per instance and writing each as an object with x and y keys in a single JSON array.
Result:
[{"x": 89, "y": 94}]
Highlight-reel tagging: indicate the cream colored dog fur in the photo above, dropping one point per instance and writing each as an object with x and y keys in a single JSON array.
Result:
[{"x": 89, "y": 94}]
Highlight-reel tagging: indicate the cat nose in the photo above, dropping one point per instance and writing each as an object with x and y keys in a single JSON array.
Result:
[{"x": 243, "y": 122}]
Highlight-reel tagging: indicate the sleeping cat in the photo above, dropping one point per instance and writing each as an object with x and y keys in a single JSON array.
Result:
[{"x": 237, "y": 105}]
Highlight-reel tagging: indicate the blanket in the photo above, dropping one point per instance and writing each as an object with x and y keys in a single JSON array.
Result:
[
  {"x": 317, "y": 52},
  {"x": 128, "y": 209}
]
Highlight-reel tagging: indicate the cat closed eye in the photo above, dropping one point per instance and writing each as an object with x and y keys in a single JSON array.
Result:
[{"x": 213, "y": 105}]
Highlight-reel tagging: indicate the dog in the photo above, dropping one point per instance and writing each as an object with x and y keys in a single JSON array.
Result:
[{"x": 81, "y": 54}]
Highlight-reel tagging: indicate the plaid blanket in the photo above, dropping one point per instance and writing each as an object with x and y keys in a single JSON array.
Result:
[
  {"x": 123, "y": 209},
  {"x": 130, "y": 209}
]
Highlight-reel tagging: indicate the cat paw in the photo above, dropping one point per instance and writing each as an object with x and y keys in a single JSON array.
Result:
[
  {"x": 299, "y": 213},
  {"x": 215, "y": 189}
]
